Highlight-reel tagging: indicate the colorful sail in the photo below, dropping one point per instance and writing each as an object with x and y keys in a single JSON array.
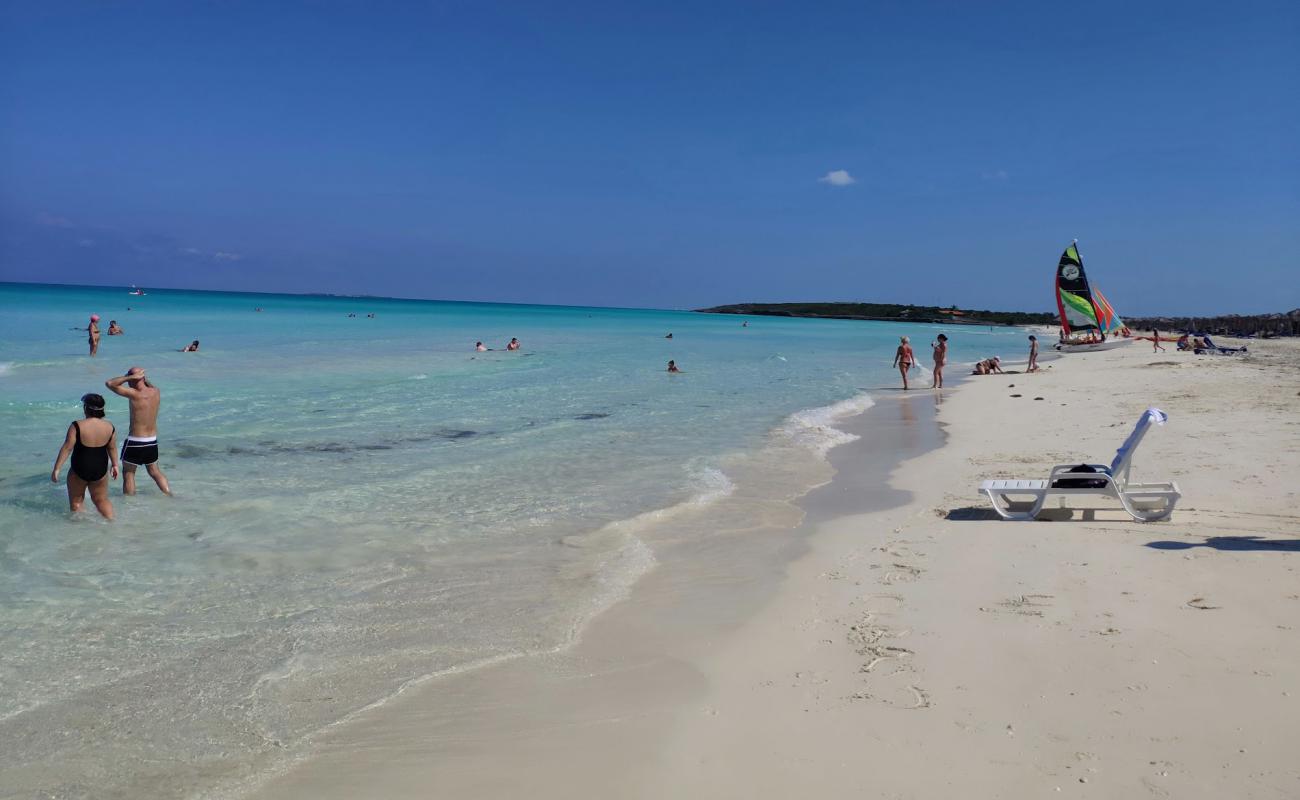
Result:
[
  {"x": 1110, "y": 321},
  {"x": 1074, "y": 296}
]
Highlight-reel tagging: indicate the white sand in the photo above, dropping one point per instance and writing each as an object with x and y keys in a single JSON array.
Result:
[{"x": 930, "y": 651}]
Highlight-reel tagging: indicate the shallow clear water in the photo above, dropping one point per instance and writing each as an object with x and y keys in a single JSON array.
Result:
[{"x": 359, "y": 503}]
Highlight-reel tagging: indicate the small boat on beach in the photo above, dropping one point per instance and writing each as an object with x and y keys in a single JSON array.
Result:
[{"x": 1088, "y": 322}]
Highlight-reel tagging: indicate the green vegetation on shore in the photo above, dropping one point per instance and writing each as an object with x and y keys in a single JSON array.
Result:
[{"x": 888, "y": 312}]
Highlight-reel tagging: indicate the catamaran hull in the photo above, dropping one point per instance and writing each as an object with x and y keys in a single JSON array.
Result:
[{"x": 1109, "y": 344}]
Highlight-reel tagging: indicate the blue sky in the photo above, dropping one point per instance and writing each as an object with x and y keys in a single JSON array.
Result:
[{"x": 659, "y": 154}]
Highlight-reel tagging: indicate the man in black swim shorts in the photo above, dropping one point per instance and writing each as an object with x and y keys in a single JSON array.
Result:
[{"x": 141, "y": 447}]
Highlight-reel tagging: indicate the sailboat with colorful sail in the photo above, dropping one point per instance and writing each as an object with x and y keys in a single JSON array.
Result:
[{"x": 1088, "y": 320}]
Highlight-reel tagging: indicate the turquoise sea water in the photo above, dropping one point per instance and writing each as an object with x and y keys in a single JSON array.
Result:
[{"x": 360, "y": 503}]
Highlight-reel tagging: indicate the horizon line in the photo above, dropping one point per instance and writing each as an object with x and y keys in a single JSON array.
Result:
[{"x": 1164, "y": 315}]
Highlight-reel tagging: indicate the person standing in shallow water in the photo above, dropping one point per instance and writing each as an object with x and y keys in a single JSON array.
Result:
[
  {"x": 904, "y": 359},
  {"x": 92, "y": 443},
  {"x": 141, "y": 446},
  {"x": 940, "y": 348},
  {"x": 92, "y": 330}
]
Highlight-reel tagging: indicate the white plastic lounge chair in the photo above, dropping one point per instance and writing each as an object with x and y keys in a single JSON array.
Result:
[{"x": 1145, "y": 502}]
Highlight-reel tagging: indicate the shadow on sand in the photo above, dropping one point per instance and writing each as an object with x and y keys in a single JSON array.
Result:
[
  {"x": 1238, "y": 543},
  {"x": 977, "y": 514}
]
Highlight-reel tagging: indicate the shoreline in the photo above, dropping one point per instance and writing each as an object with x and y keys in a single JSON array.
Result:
[
  {"x": 633, "y": 661},
  {"x": 935, "y": 650},
  {"x": 926, "y": 648}
]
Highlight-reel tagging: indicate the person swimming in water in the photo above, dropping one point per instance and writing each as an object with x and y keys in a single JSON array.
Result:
[
  {"x": 904, "y": 359},
  {"x": 141, "y": 446},
  {"x": 113, "y": 329},
  {"x": 672, "y": 366},
  {"x": 480, "y": 347},
  {"x": 192, "y": 347},
  {"x": 92, "y": 444},
  {"x": 514, "y": 344}
]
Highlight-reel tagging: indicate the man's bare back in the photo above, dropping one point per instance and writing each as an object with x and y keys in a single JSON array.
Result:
[
  {"x": 144, "y": 398},
  {"x": 141, "y": 446}
]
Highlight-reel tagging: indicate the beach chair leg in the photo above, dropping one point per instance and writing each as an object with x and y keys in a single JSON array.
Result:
[
  {"x": 1002, "y": 505},
  {"x": 1143, "y": 515}
]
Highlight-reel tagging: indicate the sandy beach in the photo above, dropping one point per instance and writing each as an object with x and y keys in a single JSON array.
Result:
[{"x": 931, "y": 649}]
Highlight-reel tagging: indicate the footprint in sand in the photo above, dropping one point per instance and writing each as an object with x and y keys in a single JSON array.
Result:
[
  {"x": 885, "y": 666},
  {"x": 1025, "y": 605},
  {"x": 901, "y": 573},
  {"x": 897, "y": 549}
]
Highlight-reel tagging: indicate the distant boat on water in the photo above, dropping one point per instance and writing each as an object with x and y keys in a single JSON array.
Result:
[
  {"x": 1087, "y": 318},
  {"x": 136, "y": 291}
]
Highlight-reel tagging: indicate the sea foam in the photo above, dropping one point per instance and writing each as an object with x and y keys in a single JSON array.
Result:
[{"x": 814, "y": 428}]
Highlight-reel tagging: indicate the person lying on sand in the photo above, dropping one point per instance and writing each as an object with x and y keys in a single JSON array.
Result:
[{"x": 988, "y": 366}]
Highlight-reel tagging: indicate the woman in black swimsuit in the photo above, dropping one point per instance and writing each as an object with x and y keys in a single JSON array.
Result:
[{"x": 92, "y": 443}]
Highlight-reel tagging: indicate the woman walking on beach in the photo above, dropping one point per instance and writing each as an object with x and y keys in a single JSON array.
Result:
[
  {"x": 1033, "y": 354},
  {"x": 903, "y": 359},
  {"x": 1155, "y": 341},
  {"x": 92, "y": 443},
  {"x": 940, "y": 358}
]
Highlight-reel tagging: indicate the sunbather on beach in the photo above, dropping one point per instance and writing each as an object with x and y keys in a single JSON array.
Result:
[{"x": 988, "y": 366}]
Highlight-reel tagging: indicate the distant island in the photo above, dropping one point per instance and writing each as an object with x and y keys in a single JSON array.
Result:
[
  {"x": 888, "y": 312},
  {"x": 1266, "y": 325}
]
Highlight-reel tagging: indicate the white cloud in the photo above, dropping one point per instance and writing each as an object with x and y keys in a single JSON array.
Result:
[
  {"x": 189, "y": 251},
  {"x": 997, "y": 175},
  {"x": 221, "y": 256},
  {"x": 838, "y": 177}
]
